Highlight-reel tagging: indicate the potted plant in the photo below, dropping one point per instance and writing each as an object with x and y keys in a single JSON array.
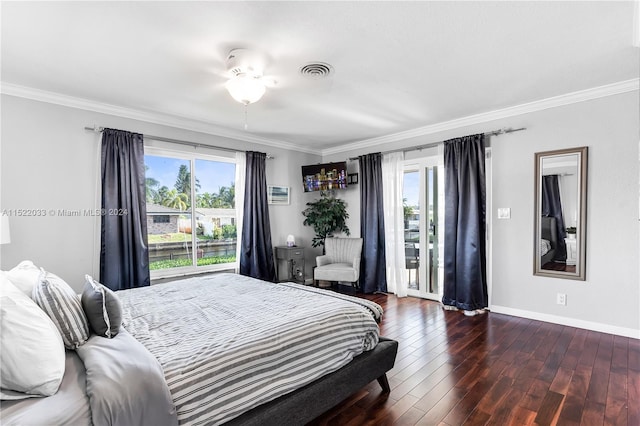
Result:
[
  {"x": 326, "y": 215},
  {"x": 571, "y": 232}
]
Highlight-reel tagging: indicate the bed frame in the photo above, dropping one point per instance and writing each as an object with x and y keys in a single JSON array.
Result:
[{"x": 307, "y": 403}]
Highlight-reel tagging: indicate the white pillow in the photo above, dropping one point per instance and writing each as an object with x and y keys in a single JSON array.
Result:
[
  {"x": 33, "y": 356},
  {"x": 58, "y": 300},
  {"x": 24, "y": 276}
]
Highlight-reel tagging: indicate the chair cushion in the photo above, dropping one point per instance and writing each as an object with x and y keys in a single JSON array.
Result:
[
  {"x": 336, "y": 272},
  {"x": 343, "y": 250}
]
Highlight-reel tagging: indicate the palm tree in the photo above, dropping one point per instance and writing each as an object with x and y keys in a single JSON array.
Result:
[
  {"x": 227, "y": 196},
  {"x": 183, "y": 181},
  {"x": 161, "y": 195},
  {"x": 205, "y": 200},
  {"x": 408, "y": 212},
  {"x": 150, "y": 185},
  {"x": 176, "y": 200}
]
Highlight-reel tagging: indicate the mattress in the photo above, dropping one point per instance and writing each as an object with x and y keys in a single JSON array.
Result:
[{"x": 228, "y": 343}]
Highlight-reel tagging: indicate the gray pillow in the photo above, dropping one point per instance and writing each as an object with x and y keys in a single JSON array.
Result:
[
  {"x": 62, "y": 304},
  {"x": 102, "y": 307}
]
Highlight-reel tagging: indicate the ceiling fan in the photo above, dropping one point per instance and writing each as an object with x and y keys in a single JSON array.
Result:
[{"x": 247, "y": 84}]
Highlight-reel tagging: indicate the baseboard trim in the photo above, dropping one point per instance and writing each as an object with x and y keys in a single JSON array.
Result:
[{"x": 572, "y": 322}]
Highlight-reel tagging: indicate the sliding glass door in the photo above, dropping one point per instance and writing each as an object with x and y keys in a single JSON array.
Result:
[{"x": 421, "y": 195}]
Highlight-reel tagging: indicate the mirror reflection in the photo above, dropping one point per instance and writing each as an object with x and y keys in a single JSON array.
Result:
[{"x": 560, "y": 213}]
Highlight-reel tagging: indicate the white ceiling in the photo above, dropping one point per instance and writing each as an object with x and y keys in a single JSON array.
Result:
[{"x": 398, "y": 65}]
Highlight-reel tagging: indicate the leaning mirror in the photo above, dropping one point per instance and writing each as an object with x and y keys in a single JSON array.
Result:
[{"x": 561, "y": 213}]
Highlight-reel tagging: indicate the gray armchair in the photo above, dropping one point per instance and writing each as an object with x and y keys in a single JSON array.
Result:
[{"x": 341, "y": 261}]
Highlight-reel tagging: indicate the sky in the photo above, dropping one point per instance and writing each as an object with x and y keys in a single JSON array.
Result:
[
  {"x": 211, "y": 174},
  {"x": 411, "y": 190}
]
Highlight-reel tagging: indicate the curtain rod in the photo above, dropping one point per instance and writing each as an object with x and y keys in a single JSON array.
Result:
[
  {"x": 434, "y": 144},
  {"x": 97, "y": 129}
]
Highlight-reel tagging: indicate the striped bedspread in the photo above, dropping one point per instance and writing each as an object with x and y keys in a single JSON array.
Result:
[{"x": 228, "y": 343}]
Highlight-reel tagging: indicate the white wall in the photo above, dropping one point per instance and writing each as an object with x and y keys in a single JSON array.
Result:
[
  {"x": 286, "y": 170},
  {"x": 50, "y": 162},
  {"x": 608, "y": 300}
]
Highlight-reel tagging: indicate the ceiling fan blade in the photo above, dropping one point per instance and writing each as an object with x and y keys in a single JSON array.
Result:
[{"x": 269, "y": 81}]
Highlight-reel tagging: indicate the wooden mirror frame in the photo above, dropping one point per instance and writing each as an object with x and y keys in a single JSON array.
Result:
[{"x": 581, "y": 234}]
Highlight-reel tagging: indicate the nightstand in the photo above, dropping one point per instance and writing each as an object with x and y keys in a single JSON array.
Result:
[
  {"x": 571, "y": 244},
  {"x": 294, "y": 258}
]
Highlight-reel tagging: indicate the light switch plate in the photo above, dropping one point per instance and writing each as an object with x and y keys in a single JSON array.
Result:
[{"x": 504, "y": 213}]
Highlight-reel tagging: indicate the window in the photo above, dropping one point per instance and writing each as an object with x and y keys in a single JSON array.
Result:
[
  {"x": 191, "y": 212},
  {"x": 161, "y": 219}
]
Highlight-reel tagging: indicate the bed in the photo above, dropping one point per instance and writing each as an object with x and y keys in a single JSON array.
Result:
[
  {"x": 259, "y": 353},
  {"x": 548, "y": 239}
]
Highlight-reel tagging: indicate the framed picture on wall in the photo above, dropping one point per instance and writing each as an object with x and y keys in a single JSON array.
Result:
[{"x": 278, "y": 194}]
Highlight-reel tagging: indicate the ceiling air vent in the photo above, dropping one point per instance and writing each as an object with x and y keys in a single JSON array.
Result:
[{"x": 316, "y": 70}]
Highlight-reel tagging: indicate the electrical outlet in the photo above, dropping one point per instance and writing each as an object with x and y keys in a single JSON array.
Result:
[{"x": 561, "y": 299}]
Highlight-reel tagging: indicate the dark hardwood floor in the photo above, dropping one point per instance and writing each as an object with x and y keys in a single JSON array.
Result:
[
  {"x": 495, "y": 369},
  {"x": 558, "y": 266}
]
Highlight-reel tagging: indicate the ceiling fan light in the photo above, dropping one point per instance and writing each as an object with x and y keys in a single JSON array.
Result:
[{"x": 245, "y": 89}]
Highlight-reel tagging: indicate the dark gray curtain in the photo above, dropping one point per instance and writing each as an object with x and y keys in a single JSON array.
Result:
[
  {"x": 552, "y": 207},
  {"x": 465, "y": 282},
  {"x": 124, "y": 254},
  {"x": 256, "y": 251},
  {"x": 373, "y": 263}
]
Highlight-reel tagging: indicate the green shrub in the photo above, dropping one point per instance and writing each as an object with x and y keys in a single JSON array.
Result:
[
  {"x": 229, "y": 231},
  {"x": 217, "y": 233}
]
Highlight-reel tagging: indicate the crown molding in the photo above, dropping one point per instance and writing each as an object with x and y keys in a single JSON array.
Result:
[
  {"x": 171, "y": 120},
  {"x": 203, "y": 126},
  {"x": 553, "y": 102}
]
